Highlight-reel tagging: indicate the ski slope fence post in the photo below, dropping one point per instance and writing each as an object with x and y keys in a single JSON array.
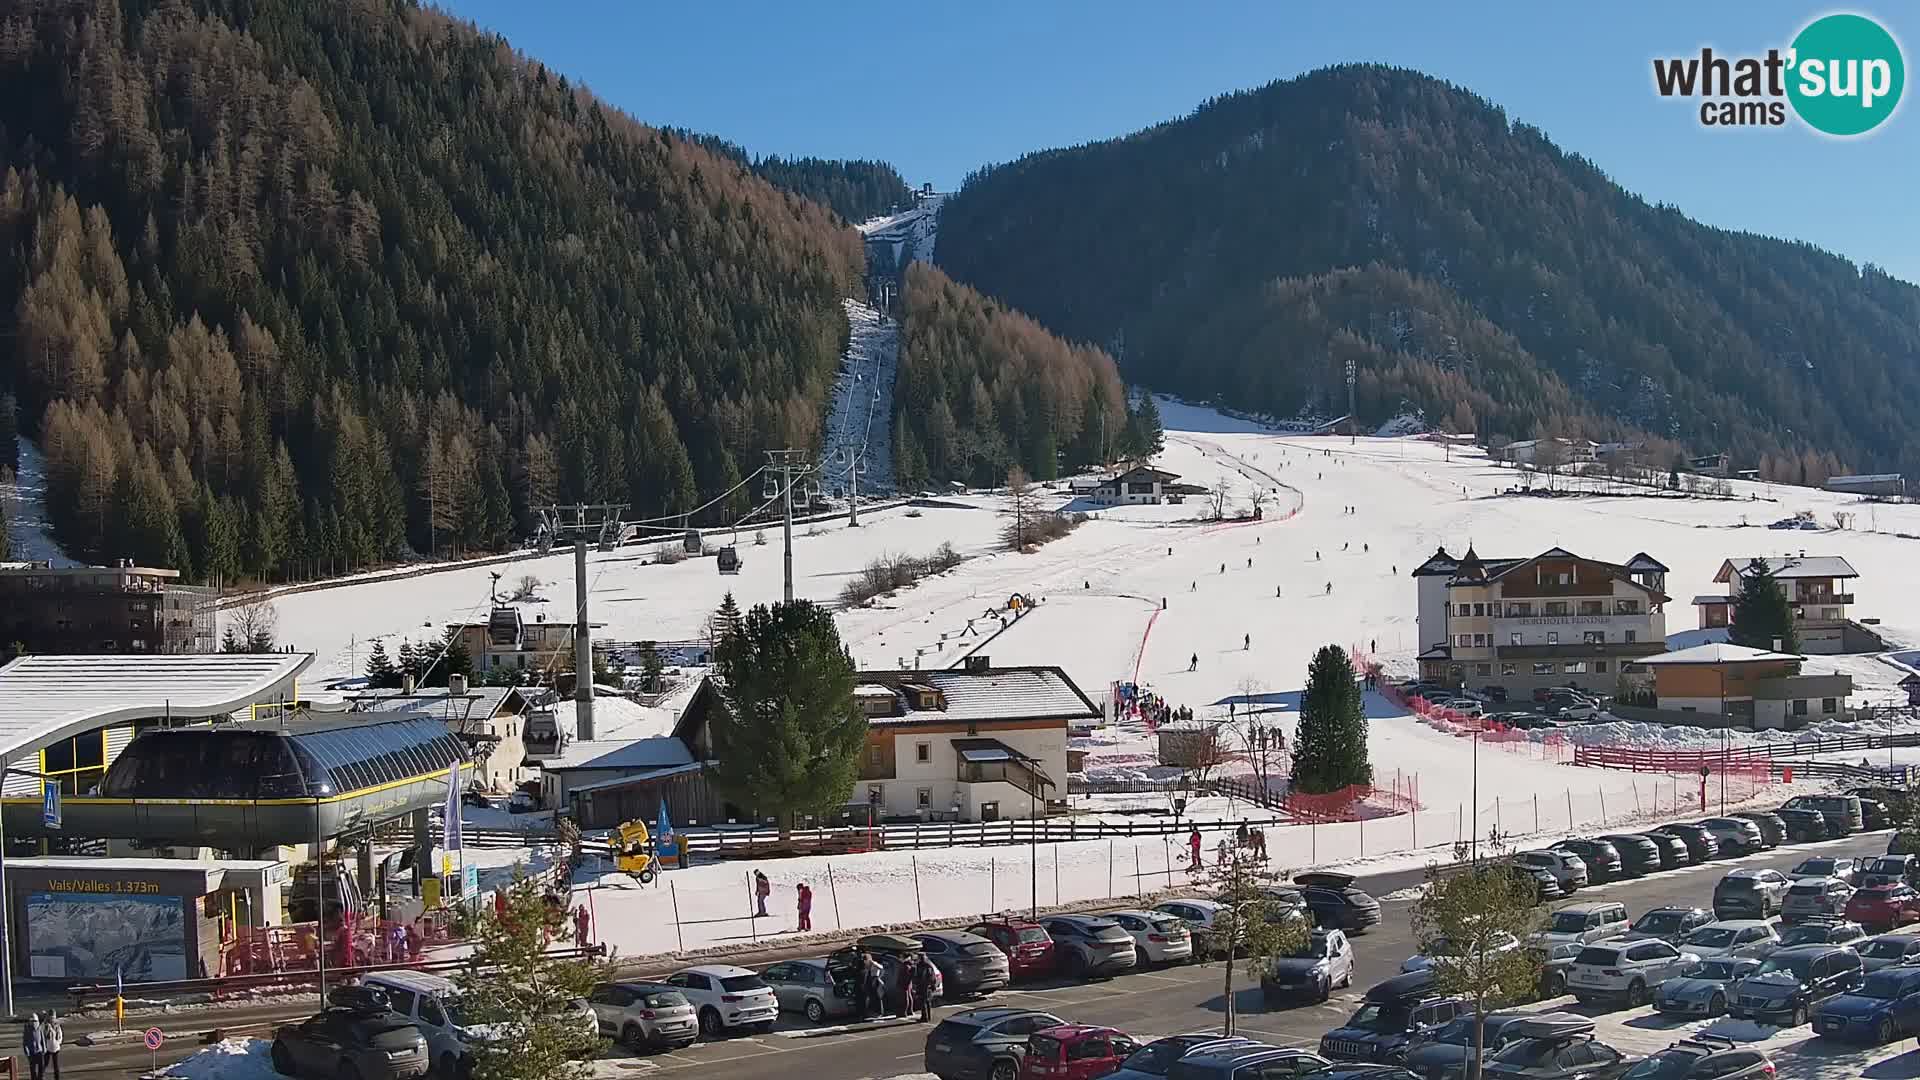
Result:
[
  {"x": 834, "y": 894},
  {"x": 1109, "y": 869},
  {"x": 1139, "y": 883},
  {"x": 1497, "y": 823},
  {"x": 1168, "y": 852},
  {"x": 993, "y": 884},
  {"x": 1536, "y": 811},
  {"x": 918, "y": 915},
  {"x": 1056, "y": 876},
  {"x": 1570, "y": 809},
  {"x": 1636, "y": 794},
  {"x": 1603, "y": 809},
  {"x": 1363, "y": 837},
  {"x": 674, "y": 894}
]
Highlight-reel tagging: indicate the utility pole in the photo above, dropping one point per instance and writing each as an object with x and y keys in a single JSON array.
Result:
[
  {"x": 1352, "y": 421},
  {"x": 788, "y": 466},
  {"x": 582, "y": 647},
  {"x": 853, "y": 496}
]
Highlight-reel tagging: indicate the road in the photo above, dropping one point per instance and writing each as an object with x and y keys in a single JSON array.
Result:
[{"x": 1146, "y": 1003}]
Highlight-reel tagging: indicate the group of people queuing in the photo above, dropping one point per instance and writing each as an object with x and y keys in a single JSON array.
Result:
[
  {"x": 1249, "y": 839},
  {"x": 914, "y": 983}
]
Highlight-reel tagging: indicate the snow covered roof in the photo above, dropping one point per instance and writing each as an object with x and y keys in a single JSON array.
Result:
[
  {"x": 43, "y": 698},
  {"x": 1719, "y": 652},
  {"x": 655, "y": 752},
  {"x": 1643, "y": 563},
  {"x": 1023, "y": 693},
  {"x": 479, "y": 701},
  {"x": 616, "y": 718},
  {"x": 1791, "y": 566},
  {"x": 1712, "y": 598},
  {"x": 1439, "y": 564},
  {"x": 632, "y": 778}
]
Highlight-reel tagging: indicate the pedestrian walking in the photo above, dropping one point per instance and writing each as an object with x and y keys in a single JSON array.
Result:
[
  {"x": 859, "y": 982},
  {"x": 909, "y": 986},
  {"x": 53, "y": 1037},
  {"x": 1193, "y": 845},
  {"x": 923, "y": 986},
  {"x": 1364, "y": 548},
  {"x": 582, "y": 927},
  {"x": 1240, "y": 834},
  {"x": 1194, "y": 664},
  {"x": 762, "y": 888},
  {"x": 806, "y": 906},
  {"x": 876, "y": 986},
  {"x": 1260, "y": 844},
  {"x": 1246, "y": 642},
  {"x": 1276, "y": 592},
  {"x": 1373, "y": 645},
  {"x": 34, "y": 1042},
  {"x": 1329, "y": 588},
  {"x": 1223, "y": 568}
]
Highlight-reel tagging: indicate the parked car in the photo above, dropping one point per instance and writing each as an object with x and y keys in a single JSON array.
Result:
[
  {"x": 1669, "y": 924},
  {"x": 1826, "y": 866},
  {"x": 983, "y": 1044},
  {"x": 1199, "y": 917},
  {"x": 1701, "y": 844},
  {"x": 1628, "y": 971},
  {"x": 969, "y": 964},
  {"x": 1704, "y": 1057},
  {"x": 1028, "y": 949},
  {"x": 1555, "y": 1046},
  {"x": 1792, "y": 981},
  {"x": 1736, "y": 836},
  {"x": 1156, "y": 1059},
  {"x": 1889, "y": 870},
  {"x": 1285, "y": 902},
  {"x": 1390, "y": 1015},
  {"x": 1884, "y": 1007},
  {"x": 1750, "y": 894},
  {"x": 1446, "y": 1050},
  {"x": 432, "y": 1003},
  {"x": 1573, "y": 710},
  {"x": 522, "y": 802},
  {"x": 1823, "y": 931},
  {"x": 355, "y": 1035},
  {"x": 1075, "y": 1052},
  {"x": 1554, "y": 960},
  {"x": 1540, "y": 880},
  {"x": 1812, "y": 897},
  {"x": 1773, "y": 831},
  {"x": 1803, "y": 826},
  {"x": 1497, "y": 942},
  {"x": 893, "y": 952},
  {"x": 1583, "y": 923},
  {"x": 810, "y": 989},
  {"x": 1322, "y": 962},
  {"x": 1565, "y": 866},
  {"x": 1874, "y": 815},
  {"x": 1602, "y": 859},
  {"x": 1335, "y": 902},
  {"x": 1090, "y": 946},
  {"x": 1844, "y": 813},
  {"x": 726, "y": 998},
  {"x": 1888, "y": 950},
  {"x": 1158, "y": 938},
  {"x": 1639, "y": 855},
  {"x": 1704, "y": 987},
  {"x": 644, "y": 1015},
  {"x": 1884, "y": 907},
  {"x": 1673, "y": 850},
  {"x": 1733, "y": 937},
  {"x": 1253, "y": 1061}
]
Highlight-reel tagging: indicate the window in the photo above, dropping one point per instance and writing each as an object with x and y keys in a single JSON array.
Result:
[
  {"x": 1599, "y": 667},
  {"x": 1553, "y": 637},
  {"x": 1593, "y": 637},
  {"x": 1591, "y": 607},
  {"x": 875, "y": 794},
  {"x": 873, "y": 755},
  {"x": 1462, "y": 609},
  {"x": 923, "y": 752},
  {"x": 1513, "y": 638},
  {"x": 1556, "y": 607},
  {"x": 1485, "y": 671},
  {"x": 1519, "y": 611},
  {"x": 1454, "y": 672},
  {"x": 1574, "y": 667},
  {"x": 430, "y": 1012},
  {"x": 1544, "y": 667},
  {"x": 1629, "y": 636},
  {"x": 1479, "y": 610},
  {"x": 400, "y": 1001},
  {"x": 1828, "y": 704},
  {"x": 924, "y": 797},
  {"x": 1479, "y": 641},
  {"x": 1461, "y": 641},
  {"x": 1508, "y": 669},
  {"x": 1626, "y": 607},
  {"x": 1799, "y": 706}
]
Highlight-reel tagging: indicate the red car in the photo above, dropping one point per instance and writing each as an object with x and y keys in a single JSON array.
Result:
[
  {"x": 1883, "y": 907},
  {"x": 1028, "y": 946},
  {"x": 1074, "y": 1052}
]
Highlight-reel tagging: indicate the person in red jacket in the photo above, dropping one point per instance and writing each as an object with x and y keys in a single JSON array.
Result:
[
  {"x": 1193, "y": 845},
  {"x": 582, "y": 923},
  {"x": 806, "y": 906}
]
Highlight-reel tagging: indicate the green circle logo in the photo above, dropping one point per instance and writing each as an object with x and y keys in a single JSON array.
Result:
[{"x": 1847, "y": 75}]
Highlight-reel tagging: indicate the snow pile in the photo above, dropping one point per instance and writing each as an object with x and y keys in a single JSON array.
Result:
[{"x": 229, "y": 1059}]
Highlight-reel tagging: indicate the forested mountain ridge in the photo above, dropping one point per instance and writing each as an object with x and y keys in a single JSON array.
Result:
[
  {"x": 288, "y": 288},
  {"x": 1245, "y": 251},
  {"x": 854, "y": 189}
]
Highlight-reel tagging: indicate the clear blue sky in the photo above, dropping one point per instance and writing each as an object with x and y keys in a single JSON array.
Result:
[{"x": 940, "y": 88}]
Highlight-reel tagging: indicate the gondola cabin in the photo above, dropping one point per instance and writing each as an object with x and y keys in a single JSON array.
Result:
[{"x": 728, "y": 560}]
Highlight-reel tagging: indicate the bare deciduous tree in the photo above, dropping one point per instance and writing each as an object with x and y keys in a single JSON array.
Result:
[
  {"x": 1023, "y": 501},
  {"x": 251, "y": 628}
]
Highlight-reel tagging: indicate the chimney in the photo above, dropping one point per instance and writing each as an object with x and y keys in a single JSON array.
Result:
[
  {"x": 406, "y": 684},
  {"x": 1779, "y": 645},
  {"x": 978, "y": 662},
  {"x": 456, "y": 685}
]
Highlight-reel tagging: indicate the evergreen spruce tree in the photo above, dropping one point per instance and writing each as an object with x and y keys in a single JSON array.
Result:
[
  {"x": 650, "y": 664},
  {"x": 455, "y": 659},
  {"x": 1761, "y": 613},
  {"x": 1330, "y": 742},
  {"x": 725, "y": 620},
  {"x": 789, "y": 739},
  {"x": 409, "y": 661},
  {"x": 381, "y": 674},
  {"x": 1148, "y": 438}
]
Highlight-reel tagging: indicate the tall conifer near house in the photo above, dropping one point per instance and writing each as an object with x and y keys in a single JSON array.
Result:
[
  {"x": 1761, "y": 613},
  {"x": 1330, "y": 743}
]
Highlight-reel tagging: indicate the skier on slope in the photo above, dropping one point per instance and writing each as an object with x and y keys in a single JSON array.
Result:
[
  {"x": 1246, "y": 642},
  {"x": 1329, "y": 588},
  {"x": 1194, "y": 664}
]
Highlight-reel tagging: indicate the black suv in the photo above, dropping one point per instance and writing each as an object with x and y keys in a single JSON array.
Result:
[
  {"x": 1389, "y": 1017},
  {"x": 1791, "y": 980},
  {"x": 1701, "y": 845},
  {"x": 1773, "y": 831},
  {"x": 1602, "y": 859},
  {"x": 1803, "y": 824},
  {"x": 1639, "y": 855},
  {"x": 1336, "y": 903}
]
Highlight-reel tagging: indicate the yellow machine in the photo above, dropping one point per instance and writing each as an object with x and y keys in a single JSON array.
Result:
[{"x": 633, "y": 851}]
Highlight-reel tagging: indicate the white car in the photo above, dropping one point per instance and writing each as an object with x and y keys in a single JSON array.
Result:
[
  {"x": 1499, "y": 942},
  {"x": 1567, "y": 868},
  {"x": 1199, "y": 915},
  {"x": 1754, "y": 938},
  {"x": 1630, "y": 971},
  {"x": 725, "y": 997},
  {"x": 1158, "y": 937}
]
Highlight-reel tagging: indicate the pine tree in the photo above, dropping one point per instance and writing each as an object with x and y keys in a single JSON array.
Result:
[
  {"x": 409, "y": 661},
  {"x": 1143, "y": 428},
  {"x": 1330, "y": 743},
  {"x": 1761, "y": 613},
  {"x": 651, "y": 666},
  {"x": 381, "y": 674},
  {"x": 789, "y": 739},
  {"x": 725, "y": 621},
  {"x": 9, "y": 430},
  {"x": 454, "y": 660}
]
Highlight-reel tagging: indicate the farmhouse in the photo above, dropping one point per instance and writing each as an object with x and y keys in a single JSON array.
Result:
[
  {"x": 1141, "y": 485},
  {"x": 1818, "y": 588},
  {"x": 1752, "y": 686}
]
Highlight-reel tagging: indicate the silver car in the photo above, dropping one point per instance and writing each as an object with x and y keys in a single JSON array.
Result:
[
  {"x": 1812, "y": 898},
  {"x": 803, "y": 986},
  {"x": 644, "y": 1016},
  {"x": 1704, "y": 988}
]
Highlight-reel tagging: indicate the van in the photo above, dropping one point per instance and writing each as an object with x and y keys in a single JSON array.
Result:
[
  {"x": 1843, "y": 812},
  {"x": 432, "y": 1003}
]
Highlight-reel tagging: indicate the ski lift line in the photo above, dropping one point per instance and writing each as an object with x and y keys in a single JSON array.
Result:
[{"x": 668, "y": 519}]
